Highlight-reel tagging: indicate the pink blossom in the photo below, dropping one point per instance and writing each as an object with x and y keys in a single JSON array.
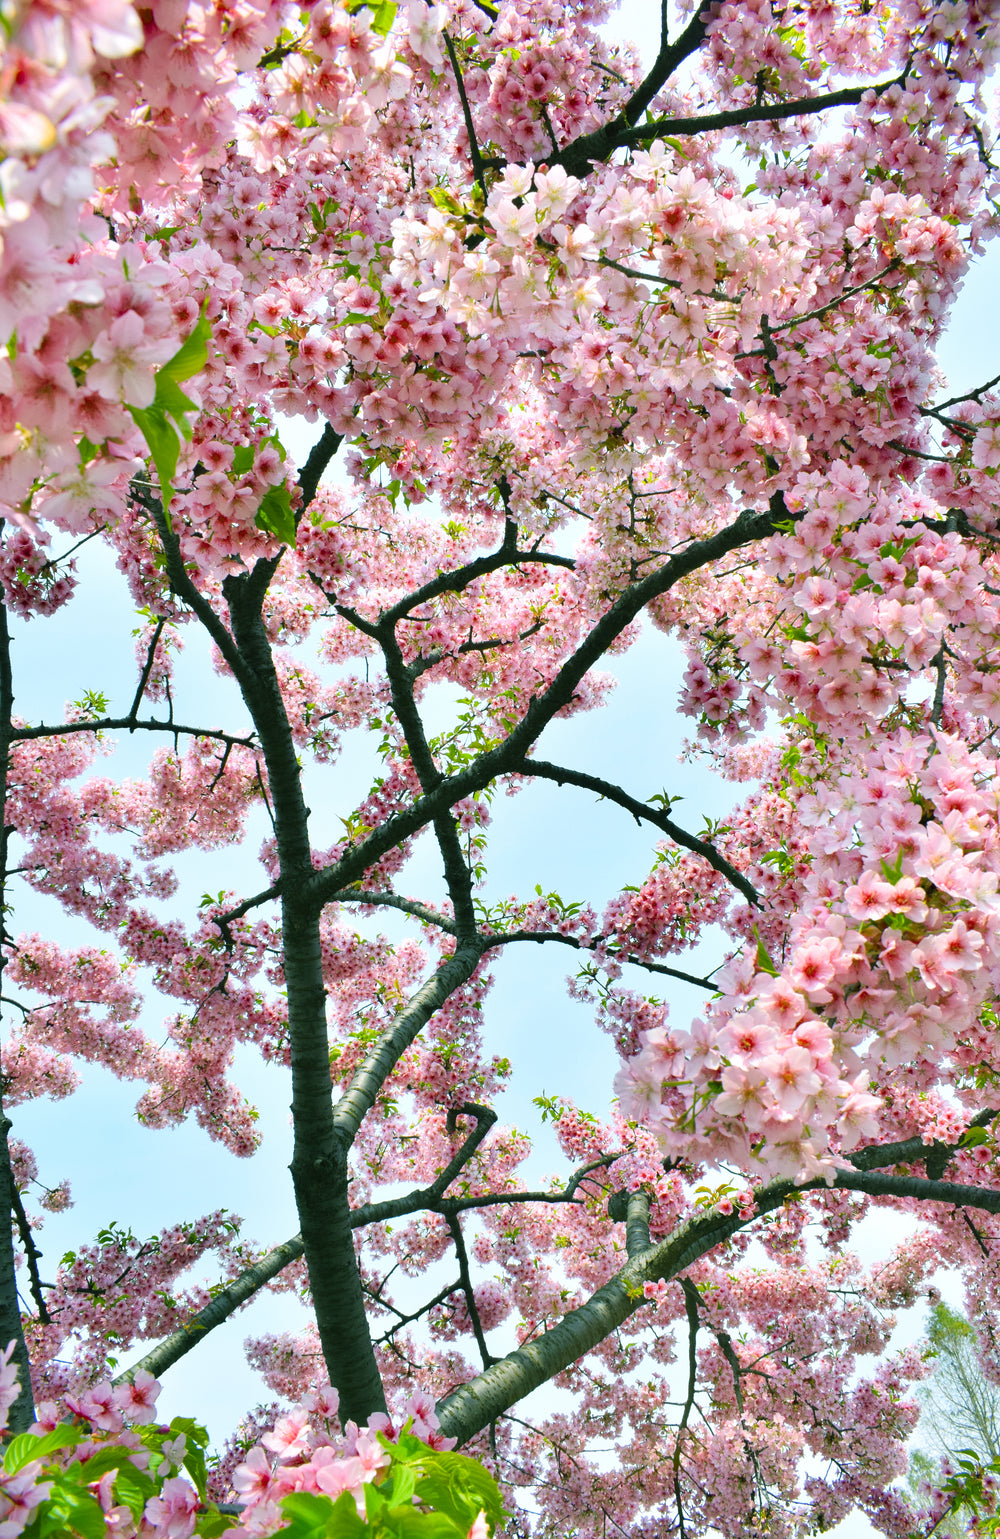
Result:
[
  {"x": 125, "y": 360},
  {"x": 20, "y": 1494},
  {"x": 290, "y": 1437},
  {"x": 175, "y": 1510},
  {"x": 791, "y": 1077},
  {"x": 137, "y": 1397},
  {"x": 426, "y": 23}
]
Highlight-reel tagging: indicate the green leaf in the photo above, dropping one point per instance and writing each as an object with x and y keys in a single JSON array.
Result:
[
  {"x": 99, "y": 1463},
  {"x": 133, "y": 1489},
  {"x": 163, "y": 445},
  {"x": 213, "y": 1523},
  {"x": 243, "y": 458},
  {"x": 411, "y": 1523},
  {"x": 973, "y": 1137},
  {"x": 171, "y": 399},
  {"x": 764, "y": 962},
  {"x": 191, "y": 357},
  {"x": 892, "y": 871},
  {"x": 385, "y": 15},
  {"x": 275, "y": 515},
  {"x": 403, "y": 1484},
  {"x": 28, "y": 1446},
  {"x": 453, "y": 1483},
  {"x": 375, "y": 1503},
  {"x": 317, "y": 1517},
  {"x": 194, "y": 1451},
  {"x": 73, "y": 1511}
]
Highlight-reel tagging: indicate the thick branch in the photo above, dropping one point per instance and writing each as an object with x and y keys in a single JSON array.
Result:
[
  {"x": 907, "y": 1150},
  {"x": 226, "y": 1302},
  {"x": 637, "y": 1223},
  {"x": 129, "y": 724},
  {"x": 319, "y": 1154},
  {"x": 372, "y": 1073},
  {"x": 22, "y": 1412},
  {"x": 317, "y": 460},
  {"x": 741, "y": 117},
  {"x": 473, "y": 1406},
  {"x": 598, "y": 146}
]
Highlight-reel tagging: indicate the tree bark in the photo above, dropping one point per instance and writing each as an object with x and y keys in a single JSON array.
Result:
[
  {"x": 473, "y": 1406},
  {"x": 22, "y": 1412},
  {"x": 319, "y": 1163}
]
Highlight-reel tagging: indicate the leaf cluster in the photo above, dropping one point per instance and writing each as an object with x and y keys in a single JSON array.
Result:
[{"x": 427, "y": 1495}]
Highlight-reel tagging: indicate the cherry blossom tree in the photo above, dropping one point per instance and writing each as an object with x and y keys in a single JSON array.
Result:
[{"x": 597, "y": 348}]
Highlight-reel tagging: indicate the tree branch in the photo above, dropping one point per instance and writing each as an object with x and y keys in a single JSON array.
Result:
[
  {"x": 750, "y": 527},
  {"x": 370, "y": 899},
  {"x": 741, "y": 117},
  {"x": 22, "y": 1412},
  {"x": 319, "y": 1163},
  {"x": 457, "y": 581},
  {"x": 129, "y": 724},
  {"x": 578, "y": 156},
  {"x": 31, "y": 1251},
  {"x": 489, "y": 942},
  {"x": 317, "y": 460},
  {"x": 642, "y": 811},
  {"x": 478, "y": 169},
  {"x": 154, "y": 642},
  {"x": 372, "y": 1073},
  {"x": 457, "y": 875},
  {"x": 956, "y": 400},
  {"x": 821, "y": 310},
  {"x": 455, "y": 1230},
  {"x": 185, "y": 589},
  {"x": 876, "y": 1156},
  {"x": 225, "y": 1302},
  {"x": 432, "y": 1198},
  {"x": 223, "y": 921},
  {"x": 471, "y": 1407},
  {"x": 691, "y": 1302},
  {"x": 637, "y": 1223}
]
